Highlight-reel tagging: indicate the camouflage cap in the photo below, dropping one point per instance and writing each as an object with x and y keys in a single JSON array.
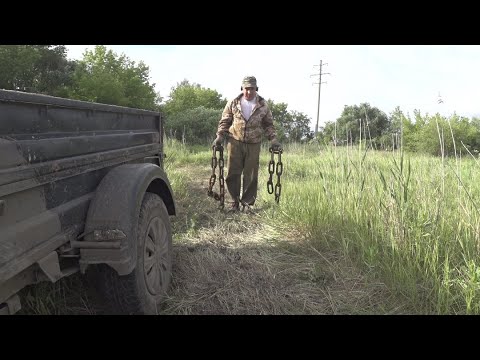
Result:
[{"x": 249, "y": 81}]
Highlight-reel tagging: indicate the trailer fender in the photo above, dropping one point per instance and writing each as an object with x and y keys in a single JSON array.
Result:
[{"x": 110, "y": 230}]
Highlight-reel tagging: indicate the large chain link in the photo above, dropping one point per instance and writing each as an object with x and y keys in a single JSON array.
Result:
[
  {"x": 219, "y": 197},
  {"x": 279, "y": 170}
]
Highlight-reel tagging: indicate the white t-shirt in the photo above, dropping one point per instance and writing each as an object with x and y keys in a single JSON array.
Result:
[{"x": 247, "y": 106}]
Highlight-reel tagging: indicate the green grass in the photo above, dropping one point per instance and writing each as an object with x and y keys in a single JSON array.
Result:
[{"x": 410, "y": 220}]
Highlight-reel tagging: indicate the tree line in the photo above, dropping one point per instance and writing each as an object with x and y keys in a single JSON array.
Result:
[
  {"x": 101, "y": 76},
  {"x": 192, "y": 112},
  {"x": 429, "y": 134}
]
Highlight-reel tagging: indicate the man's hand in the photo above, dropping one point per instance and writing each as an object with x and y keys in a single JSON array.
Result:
[
  {"x": 218, "y": 140},
  {"x": 275, "y": 145}
]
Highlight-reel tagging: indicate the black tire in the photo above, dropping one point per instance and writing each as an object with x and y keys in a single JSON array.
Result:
[{"x": 142, "y": 291}]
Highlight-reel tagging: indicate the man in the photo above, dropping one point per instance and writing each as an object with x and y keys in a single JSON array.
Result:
[{"x": 245, "y": 119}]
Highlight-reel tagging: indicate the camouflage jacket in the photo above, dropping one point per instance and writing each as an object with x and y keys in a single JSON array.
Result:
[{"x": 251, "y": 131}]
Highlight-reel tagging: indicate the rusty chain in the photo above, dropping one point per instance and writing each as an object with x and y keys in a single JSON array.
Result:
[
  {"x": 278, "y": 168},
  {"x": 219, "y": 197}
]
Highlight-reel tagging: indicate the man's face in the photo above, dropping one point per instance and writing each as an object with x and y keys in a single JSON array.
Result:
[{"x": 249, "y": 93}]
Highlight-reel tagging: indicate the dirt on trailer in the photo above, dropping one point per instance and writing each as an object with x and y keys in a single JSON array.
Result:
[{"x": 236, "y": 264}]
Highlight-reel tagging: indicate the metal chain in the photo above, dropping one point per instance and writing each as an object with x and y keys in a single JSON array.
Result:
[
  {"x": 279, "y": 170},
  {"x": 219, "y": 197}
]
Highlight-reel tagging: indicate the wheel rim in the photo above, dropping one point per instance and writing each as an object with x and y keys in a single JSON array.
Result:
[{"x": 156, "y": 264}]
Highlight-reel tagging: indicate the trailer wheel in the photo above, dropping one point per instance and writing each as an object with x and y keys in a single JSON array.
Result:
[{"x": 142, "y": 291}]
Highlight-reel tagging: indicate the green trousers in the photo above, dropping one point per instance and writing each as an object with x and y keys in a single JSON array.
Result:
[{"x": 243, "y": 159}]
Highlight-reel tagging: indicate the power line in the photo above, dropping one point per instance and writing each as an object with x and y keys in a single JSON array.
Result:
[{"x": 320, "y": 73}]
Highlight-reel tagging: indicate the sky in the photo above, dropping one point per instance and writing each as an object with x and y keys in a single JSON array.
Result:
[{"x": 385, "y": 76}]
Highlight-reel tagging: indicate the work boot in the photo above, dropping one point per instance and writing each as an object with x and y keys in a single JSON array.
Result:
[
  {"x": 234, "y": 207},
  {"x": 247, "y": 208}
]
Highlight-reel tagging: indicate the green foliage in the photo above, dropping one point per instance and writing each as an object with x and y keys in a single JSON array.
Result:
[
  {"x": 103, "y": 76},
  {"x": 36, "y": 68},
  {"x": 281, "y": 117},
  {"x": 401, "y": 132},
  {"x": 433, "y": 135},
  {"x": 193, "y": 126},
  {"x": 300, "y": 127},
  {"x": 327, "y": 133},
  {"x": 410, "y": 139},
  {"x": 446, "y": 135},
  {"x": 368, "y": 122},
  {"x": 290, "y": 125},
  {"x": 186, "y": 96}
]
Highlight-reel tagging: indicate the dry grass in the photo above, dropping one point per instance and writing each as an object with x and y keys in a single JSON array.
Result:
[
  {"x": 68, "y": 296},
  {"x": 235, "y": 264}
]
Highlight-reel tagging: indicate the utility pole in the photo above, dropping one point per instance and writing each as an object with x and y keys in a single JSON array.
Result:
[{"x": 319, "y": 88}]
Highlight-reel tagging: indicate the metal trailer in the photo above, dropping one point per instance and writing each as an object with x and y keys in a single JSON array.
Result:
[{"x": 82, "y": 186}]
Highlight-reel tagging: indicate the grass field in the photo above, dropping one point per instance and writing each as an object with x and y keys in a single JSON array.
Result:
[{"x": 354, "y": 232}]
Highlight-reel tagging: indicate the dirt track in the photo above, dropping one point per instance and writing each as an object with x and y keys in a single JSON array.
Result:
[{"x": 237, "y": 264}]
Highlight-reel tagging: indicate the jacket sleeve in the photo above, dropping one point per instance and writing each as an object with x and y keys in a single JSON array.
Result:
[
  {"x": 267, "y": 124},
  {"x": 226, "y": 120}
]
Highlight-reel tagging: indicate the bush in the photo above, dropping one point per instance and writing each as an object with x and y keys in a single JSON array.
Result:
[{"x": 195, "y": 126}]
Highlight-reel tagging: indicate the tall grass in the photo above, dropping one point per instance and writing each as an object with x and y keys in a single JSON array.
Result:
[
  {"x": 178, "y": 156},
  {"x": 412, "y": 221},
  {"x": 403, "y": 216}
]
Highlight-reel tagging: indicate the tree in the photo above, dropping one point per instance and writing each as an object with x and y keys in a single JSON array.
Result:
[
  {"x": 54, "y": 71},
  {"x": 402, "y": 132},
  {"x": 363, "y": 120},
  {"x": 192, "y": 112},
  {"x": 327, "y": 133},
  {"x": 36, "y": 68},
  {"x": 300, "y": 127},
  {"x": 474, "y": 135},
  {"x": 282, "y": 119},
  {"x": 193, "y": 126},
  {"x": 290, "y": 125},
  {"x": 186, "y": 96},
  {"x": 103, "y": 76}
]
